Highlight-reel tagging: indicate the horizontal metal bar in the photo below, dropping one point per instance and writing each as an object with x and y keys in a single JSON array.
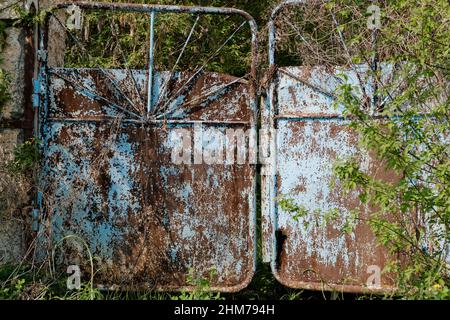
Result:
[
  {"x": 246, "y": 123},
  {"x": 311, "y": 117},
  {"x": 148, "y": 8},
  {"x": 93, "y": 119},
  {"x": 302, "y": 117},
  {"x": 150, "y": 121}
]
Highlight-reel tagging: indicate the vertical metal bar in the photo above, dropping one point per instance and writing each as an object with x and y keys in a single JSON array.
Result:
[
  {"x": 272, "y": 27},
  {"x": 268, "y": 208},
  {"x": 374, "y": 67},
  {"x": 272, "y": 42},
  {"x": 151, "y": 62}
]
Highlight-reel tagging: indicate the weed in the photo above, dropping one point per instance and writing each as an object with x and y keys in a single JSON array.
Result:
[
  {"x": 26, "y": 156},
  {"x": 201, "y": 288}
]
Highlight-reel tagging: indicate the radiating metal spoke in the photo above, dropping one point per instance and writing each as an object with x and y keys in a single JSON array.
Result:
[
  {"x": 205, "y": 94},
  {"x": 115, "y": 30},
  {"x": 86, "y": 53},
  {"x": 347, "y": 52},
  {"x": 151, "y": 62},
  {"x": 309, "y": 84},
  {"x": 204, "y": 65},
  {"x": 167, "y": 81},
  {"x": 95, "y": 95}
]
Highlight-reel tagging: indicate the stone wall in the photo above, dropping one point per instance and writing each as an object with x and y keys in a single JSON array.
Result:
[
  {"x": 16, "y": 119},
  {"x": 12, "y": 225}
]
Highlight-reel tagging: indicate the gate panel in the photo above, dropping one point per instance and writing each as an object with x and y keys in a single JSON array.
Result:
[
  {"x": 308, "y": 137},
  {"x": 109, "y": 178}
]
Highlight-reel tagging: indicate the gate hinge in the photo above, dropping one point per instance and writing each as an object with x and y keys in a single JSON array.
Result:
[
  {"x": 42, "y": 55},
  {"x": 36, "y": 91},
  {"x": 36, "y": 213}
]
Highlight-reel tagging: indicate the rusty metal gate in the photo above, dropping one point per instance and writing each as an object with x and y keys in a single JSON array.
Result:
[
  {"x": 308, "y": 135},
  {"x": 109, "y": 177},
  {"x": 110, "y": 180}
]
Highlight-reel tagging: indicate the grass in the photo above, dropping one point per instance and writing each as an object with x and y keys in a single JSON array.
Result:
[{"x": 27, "y": 283}]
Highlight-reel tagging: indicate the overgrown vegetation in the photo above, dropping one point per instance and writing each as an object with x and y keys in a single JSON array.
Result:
[
  {"x": 4, "y": 88},
  {"x": 31, "y": 283},
  {"x": 410, "y": 135},
  {"x": 202, "y": 288},
  {"x": 412, "y": 213},
  {"x": 13, "y": 185}
]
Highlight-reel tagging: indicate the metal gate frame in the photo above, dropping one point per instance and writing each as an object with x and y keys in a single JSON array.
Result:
[
  {"x": 41, "y": 94},
  {"x": 150, "y": 9},
  {"x": 268, "y": 117},
  {"x": 270, "y": 177}
]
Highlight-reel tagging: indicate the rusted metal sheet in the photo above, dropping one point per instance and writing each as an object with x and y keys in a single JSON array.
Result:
[
  {"x": 308, "y": 135},
  {"x": 109, "y": 177},
  {"x": 112, "y": 182}
]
